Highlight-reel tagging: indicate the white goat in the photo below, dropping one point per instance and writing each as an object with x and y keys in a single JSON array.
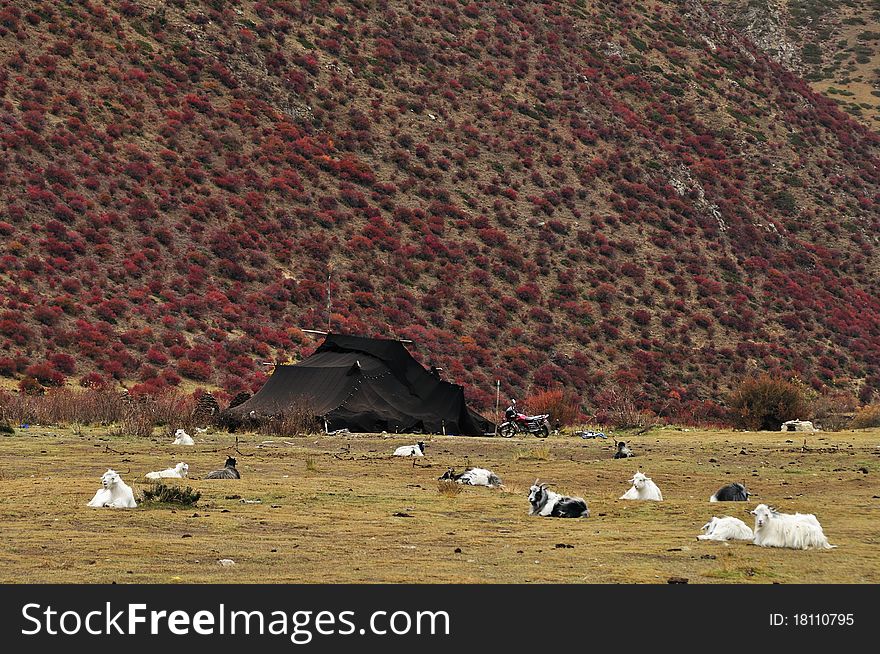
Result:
[
  {"x": 182, "y": 438},
  {"x": 474, "y": 477},
  {"x": 799, "y": 531},
  {"x": 177, "y": 472},
  {"x": 642, "y": 489},
  {"x": 726, "y": 528},
  {"x": 115, "y": 493},
  {"x": 411, "y": 450}
]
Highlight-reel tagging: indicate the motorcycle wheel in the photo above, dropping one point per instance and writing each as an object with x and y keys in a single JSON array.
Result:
[
  {"x": 506, "y": 431},
  {"x": 542, "y": 432}
]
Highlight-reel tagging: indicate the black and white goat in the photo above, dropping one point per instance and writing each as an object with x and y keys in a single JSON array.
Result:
[
  {"x": 623, "y": 452},
  {"x": 474, "y": 477},
  {"x": 546, "y": 503},
  {"x": 734, "y": 492},
  {"x": 227, "y": 472},
  {"x": 411, "y": 450}
]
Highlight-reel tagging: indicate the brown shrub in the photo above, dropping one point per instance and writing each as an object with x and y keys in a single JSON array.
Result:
[
  {"x": 764, "y": 403},
  {"x": 63, "y": 406},
  {"x": 833, "y": 411},
  {"x": 299, "y": 418},
  {"x": 172, "y": 409},
  {"x": 448, "y": 488},
  {"x": 564, "y": 408},
  {"x": 99, "y": 406},
  {"x": 621, "y": 411},
  {"x": 866, "y": 417}
]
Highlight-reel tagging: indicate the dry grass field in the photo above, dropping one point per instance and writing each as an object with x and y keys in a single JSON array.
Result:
[{"x": 337, "y": 509}]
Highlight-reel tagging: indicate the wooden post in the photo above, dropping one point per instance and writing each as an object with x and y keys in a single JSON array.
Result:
[{"x": 497, "y": 400}]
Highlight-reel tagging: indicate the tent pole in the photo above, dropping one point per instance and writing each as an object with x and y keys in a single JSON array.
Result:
[
  {"x": 329, "y": 303},
  {"x": 497, "y": 399}
]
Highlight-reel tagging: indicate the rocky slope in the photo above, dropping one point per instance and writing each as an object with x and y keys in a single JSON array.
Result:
[
  {"x": 834, "y": 44},
  {"x": 589, "y": 194}
]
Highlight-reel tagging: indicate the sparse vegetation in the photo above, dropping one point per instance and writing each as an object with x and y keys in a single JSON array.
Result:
[
  {"x": 866, "y": 417},
  {"x": 541, "y": 453},
  {"x": 162, "y": 493},
  {"x": 297, "y": 420},
  {"x": 448, "y": 488},
  {"x": 351, "y": 508}
]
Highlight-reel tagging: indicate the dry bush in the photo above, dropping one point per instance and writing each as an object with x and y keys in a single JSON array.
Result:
[
  {"x": 564, "y": 408},
  {"x": 83, "y": 407},
  {"x": 622, "y": 413},
  {"x": 297, "y": 419},
  {"x": 833, "y": 411},
  {"x": 512, "y": 489},
  {"x": 16, "y": 408},
  {"x": 138, "y": 419},
  {"x": 866, "y": 417},
  {"x": 173, "y": 409},
  {"x": 532, "y": 454},
  {"x": 764, "y": 403},
  {"x": 169, "y": 494},
  {"x": 448, "y": 488},
  {"x": 64, "y": 406}
]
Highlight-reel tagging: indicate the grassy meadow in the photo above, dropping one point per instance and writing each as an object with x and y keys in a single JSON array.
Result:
[{"x": 335, "y": 509}]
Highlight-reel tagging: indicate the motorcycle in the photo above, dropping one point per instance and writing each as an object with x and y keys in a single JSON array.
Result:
[{"x": 517, "y": 423}]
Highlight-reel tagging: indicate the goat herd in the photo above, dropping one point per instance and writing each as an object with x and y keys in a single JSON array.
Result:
[{"x": 772, "y": 528}]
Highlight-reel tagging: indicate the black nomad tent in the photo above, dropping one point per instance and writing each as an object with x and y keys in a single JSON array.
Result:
[{"x": 366, "y": 385}]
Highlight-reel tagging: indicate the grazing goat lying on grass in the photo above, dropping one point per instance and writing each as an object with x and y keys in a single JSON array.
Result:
[
  {"x": 623, "y": 452},
  {"x": 411, "y": 450},
  {"x": 182, "y": 438},
  {"x": 726, "y": 528},
  {"x": 115, "y": 494},
  {"x": 799, "y": 531},
  {"x": 642, "y": 489},
  {"x": 546, "y": 503},
  {"x": 474, "y": 477},
  {"x": 734, "y": 492},
  {"x": 227, "y": 472},
  {"x": 177, "y": 472}
]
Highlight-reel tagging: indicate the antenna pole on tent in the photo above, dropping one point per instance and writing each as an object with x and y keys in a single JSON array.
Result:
[
  {"x": 497, "y": 399},
  {"x": 329, "y": 274}
]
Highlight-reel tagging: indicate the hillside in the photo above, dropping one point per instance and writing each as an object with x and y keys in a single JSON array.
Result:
[
  {"x": 834, "y": 44},
  {"x": 597, "y": 194}
]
